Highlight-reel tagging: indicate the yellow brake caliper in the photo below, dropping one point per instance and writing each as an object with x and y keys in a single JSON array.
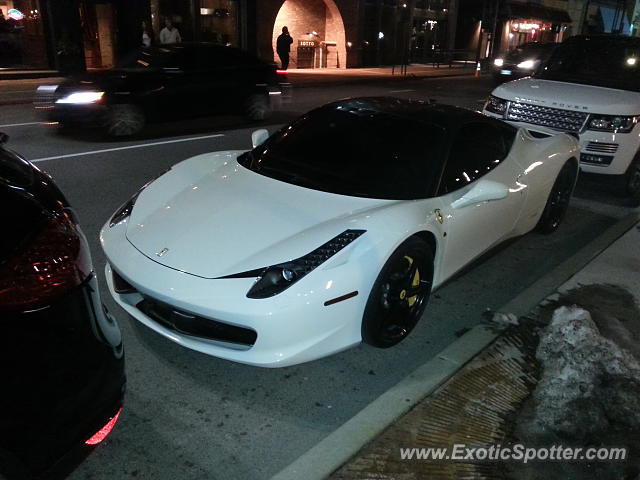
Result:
[{"x": 414, "y": 283}]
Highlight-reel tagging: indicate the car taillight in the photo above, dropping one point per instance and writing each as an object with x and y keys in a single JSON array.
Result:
[
  {"x": 53, "y": 262},
  {"x": 101, "y": 434}
]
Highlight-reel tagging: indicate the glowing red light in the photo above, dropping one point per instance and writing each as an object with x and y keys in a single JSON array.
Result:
[
  {"x": 101, "y": 434},
  {"x": 281, "y": 72}
]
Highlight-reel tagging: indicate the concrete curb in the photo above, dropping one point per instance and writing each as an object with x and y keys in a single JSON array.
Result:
[
  {"x": 375, "y": 79},
  {"x": 342, "y": 444}
]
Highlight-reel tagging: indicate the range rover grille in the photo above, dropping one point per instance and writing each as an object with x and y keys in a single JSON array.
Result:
[
  {"x": 601, "y": 147},
  {"x": 565, "y": 120}
]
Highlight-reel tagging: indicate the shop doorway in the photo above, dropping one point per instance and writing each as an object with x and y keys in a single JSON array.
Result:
[
  {"x": 318, "y": 33},
  {"x": 98, "y": 30}
]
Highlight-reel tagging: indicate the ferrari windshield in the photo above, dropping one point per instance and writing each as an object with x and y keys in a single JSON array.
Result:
[
  {"x": 354, "y": 150},
  {"x": 612, "y": 63}
]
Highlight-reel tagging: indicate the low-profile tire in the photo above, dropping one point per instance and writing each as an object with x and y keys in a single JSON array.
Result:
[
  {"x": 632, "y": 182},
  {"x": 258, "y": 107},
  {"x": 399, "y": 295},
  {"x": 558, "y": 200},
  {"x": 124, "y": 119}
]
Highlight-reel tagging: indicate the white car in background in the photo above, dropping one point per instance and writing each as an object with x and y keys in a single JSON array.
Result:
[
  {"x": 332, "y": 231},
  {"x": 590, "y": 86}
]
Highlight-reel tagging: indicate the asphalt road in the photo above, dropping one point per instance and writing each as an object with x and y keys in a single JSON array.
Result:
[{"x": 190, "y": 416}]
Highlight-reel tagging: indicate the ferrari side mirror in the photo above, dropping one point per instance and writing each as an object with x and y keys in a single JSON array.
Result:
[
  {"x": 259, "y": 136},
  {"x": 4, "y": 138}
]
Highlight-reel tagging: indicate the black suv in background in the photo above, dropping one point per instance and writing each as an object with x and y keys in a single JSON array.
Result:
[
  {"x": 163, "y": 83},
  {"x": 521, "y": 61},
  {"x": 61, "y": 354}
]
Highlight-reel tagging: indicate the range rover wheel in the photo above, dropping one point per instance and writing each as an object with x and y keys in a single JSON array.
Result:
[
  {"x": 399, "y": 295},
  {"x": 124, "y": 120},
  {"x": 632, "y": 182},
  {"x": 558, "y": 201}
]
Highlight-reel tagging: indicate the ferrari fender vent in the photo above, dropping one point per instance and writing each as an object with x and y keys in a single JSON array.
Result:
[{"x": 189, "y": 324}]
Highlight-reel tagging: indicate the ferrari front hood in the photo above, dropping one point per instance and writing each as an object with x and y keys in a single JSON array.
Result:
[{"x": 211, "y": 217}]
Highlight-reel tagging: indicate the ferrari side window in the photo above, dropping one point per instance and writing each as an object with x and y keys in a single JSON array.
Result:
[{"x": 477, "y": 148}]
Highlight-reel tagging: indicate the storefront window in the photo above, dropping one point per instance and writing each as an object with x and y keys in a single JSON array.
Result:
[
  {"x": 22, "y": 42},
  {"x": 98, "y": 34},
  {"x": 219, "y": 21}
]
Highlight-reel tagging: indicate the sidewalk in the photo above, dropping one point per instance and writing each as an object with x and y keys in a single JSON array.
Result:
[
  {"x": 470, "y": 392},
  {"x": 20, "y": 90}
]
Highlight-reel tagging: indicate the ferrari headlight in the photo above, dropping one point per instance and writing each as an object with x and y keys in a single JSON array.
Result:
[
  {"x": 612, "y": 123},
  {"x": 277, "y": 278},
  {"x": 126, "y": 208},
  {"x": 527, "y": 64},
  {"x": 81, "y": 98},
  {"x": 124, "y": 211},
  {"x": 496, "y": 105},
  {"x": 498, "y": 62}
]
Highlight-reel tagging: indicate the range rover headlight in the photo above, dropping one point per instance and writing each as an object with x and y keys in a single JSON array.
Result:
[
  {"x": 612, "y": 123},
  {"x": 496, "y": 105},
  {"x": 277, "y": 278},
  {"x": 527, "y": 65},
  {"x": 498, "y": 62},
  {"x": 81, "y": 98}
]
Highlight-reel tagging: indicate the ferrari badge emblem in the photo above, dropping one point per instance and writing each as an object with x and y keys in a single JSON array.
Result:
[
  {"x": 439, "y": 215},
  {"x": 162, "y": 252}
]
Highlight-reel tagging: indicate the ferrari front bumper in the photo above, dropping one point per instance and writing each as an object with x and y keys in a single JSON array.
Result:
[{"x": 214, "y": 316}]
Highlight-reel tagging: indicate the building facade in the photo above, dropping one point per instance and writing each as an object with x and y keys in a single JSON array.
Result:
[{"x": 71, "y": 35}]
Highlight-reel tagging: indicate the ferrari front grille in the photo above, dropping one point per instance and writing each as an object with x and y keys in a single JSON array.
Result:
[
  {"x": 556, "y": 118},
  {"x": 194, "y": 325}
]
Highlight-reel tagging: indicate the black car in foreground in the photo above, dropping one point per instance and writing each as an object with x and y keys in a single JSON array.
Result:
[
  {"x": 522, "y": 61},
  {"x": 164, "y": 83},
  {"x": 61, "y": 353}
]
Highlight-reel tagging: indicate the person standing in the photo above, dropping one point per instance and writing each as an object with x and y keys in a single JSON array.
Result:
[
  {"x": 283, "y": 47},
  {"x": 169, "y": 34}
]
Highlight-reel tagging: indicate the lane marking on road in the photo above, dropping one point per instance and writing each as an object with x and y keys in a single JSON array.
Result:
[
  {"x": 20, "y": 124},
  {"x": 402, "y": 91},
  {"x": 128, "y": 147}
]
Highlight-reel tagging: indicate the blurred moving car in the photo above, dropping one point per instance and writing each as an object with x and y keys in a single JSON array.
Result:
[
  {"x": 589, "y": 86},
  {"x": 163, "y": 83},
  {"x": 299, "y": 249},
  {"x": 61, "y": 354},
  {"x": 521, "y": 61}
]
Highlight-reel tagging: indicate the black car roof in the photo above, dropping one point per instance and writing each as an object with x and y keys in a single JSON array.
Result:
[{"x": 603, "y": 37}]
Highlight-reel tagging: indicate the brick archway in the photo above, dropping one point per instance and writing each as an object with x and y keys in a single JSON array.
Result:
[{"x": 320, "y": 16}]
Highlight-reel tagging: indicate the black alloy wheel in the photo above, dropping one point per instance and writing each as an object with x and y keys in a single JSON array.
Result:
[
  {"x": 558, "y": 201},
  {"x": 123, "y": 120},
  {"x": 258, "y": 107},
  {"x": 399, "y": 295},
  {"x": 632, "y": 178}
]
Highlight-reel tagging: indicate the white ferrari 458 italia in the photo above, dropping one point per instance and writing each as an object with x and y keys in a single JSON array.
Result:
[{"x": 333, "y": 230}]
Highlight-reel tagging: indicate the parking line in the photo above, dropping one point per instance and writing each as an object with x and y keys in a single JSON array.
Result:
[
  {"x": 401, "y": 91},
  {"x": 128, "y": 147},
  {"x": 20, "y": 124}
]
